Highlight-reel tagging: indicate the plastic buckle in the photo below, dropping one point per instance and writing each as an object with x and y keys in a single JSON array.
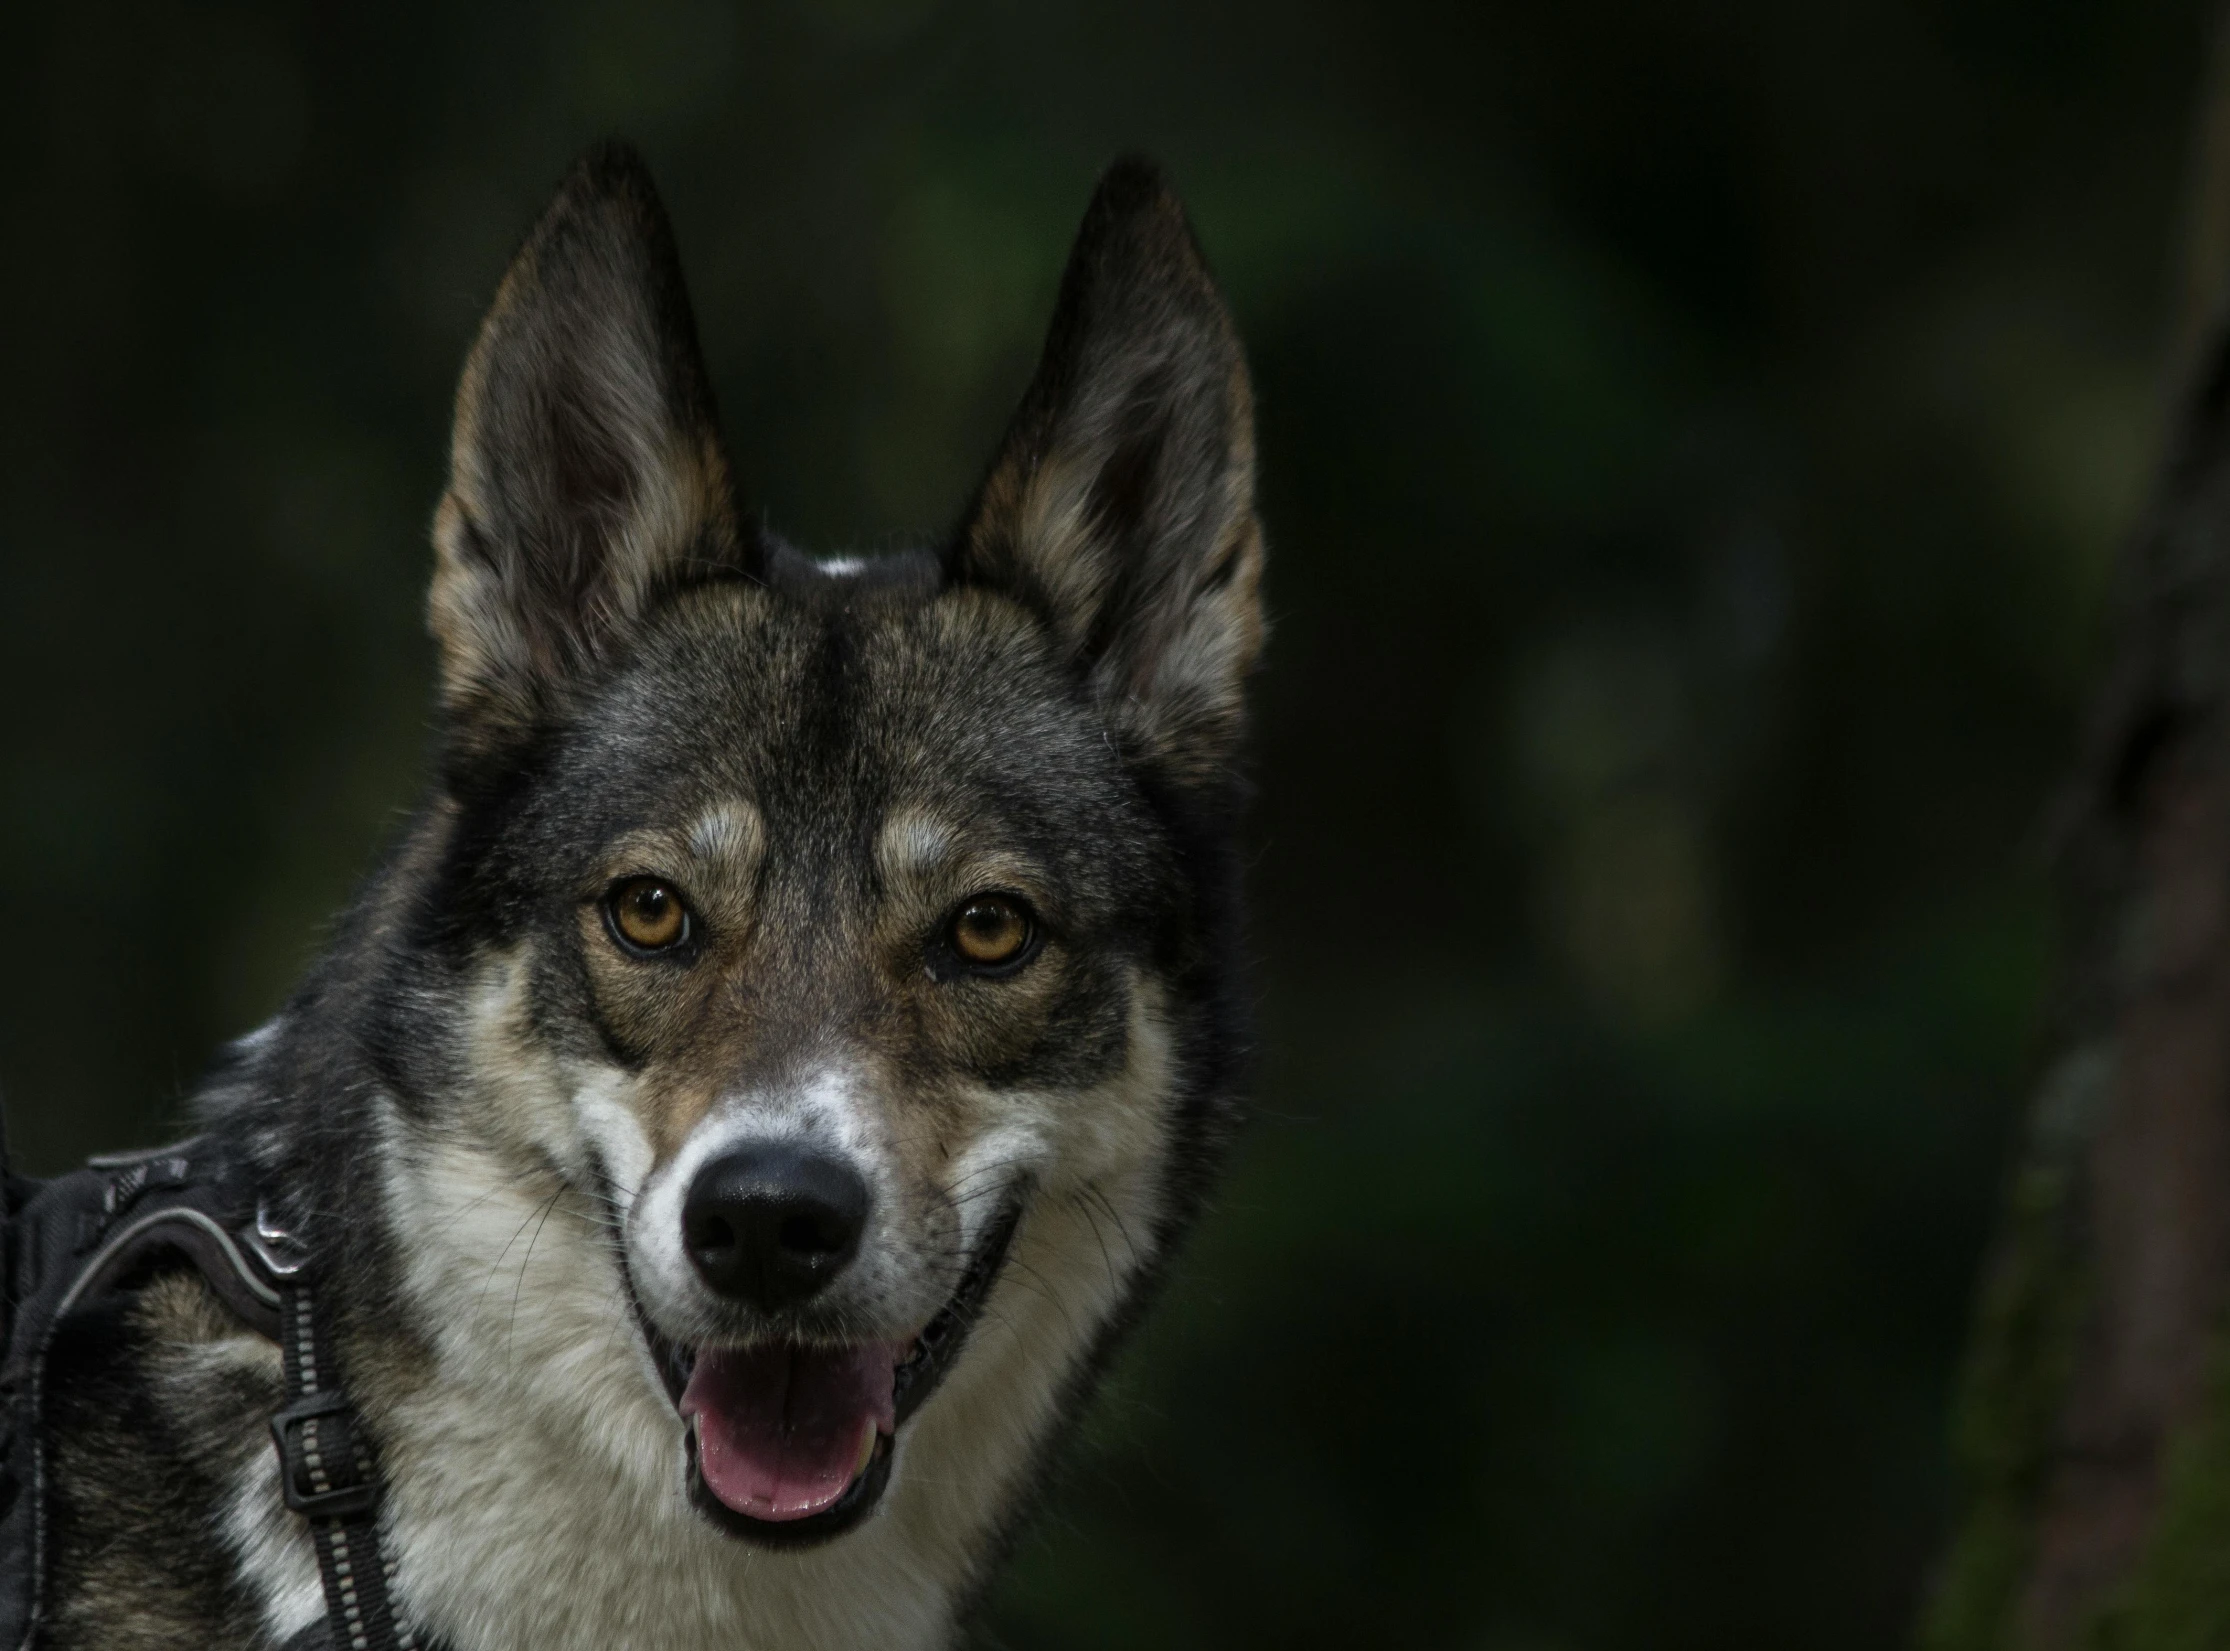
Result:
[{"x": 338, "y": 1502}]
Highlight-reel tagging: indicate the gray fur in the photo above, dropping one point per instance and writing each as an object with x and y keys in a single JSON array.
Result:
[{"x": 478, "y": 1106}]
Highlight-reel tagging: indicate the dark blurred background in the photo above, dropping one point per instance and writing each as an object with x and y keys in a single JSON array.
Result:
[{"x": 1695, "y": 437}]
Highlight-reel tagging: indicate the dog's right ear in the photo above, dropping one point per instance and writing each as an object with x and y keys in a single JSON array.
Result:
[
  {"x": 586, "y": 472},
  {"x": 1121, "y": 507}
]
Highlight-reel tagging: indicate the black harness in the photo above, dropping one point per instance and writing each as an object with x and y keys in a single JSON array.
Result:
[{"x": 80, "y": 1238}]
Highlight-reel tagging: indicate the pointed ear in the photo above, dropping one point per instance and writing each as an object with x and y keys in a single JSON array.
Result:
[
  {"x": 586, "y": 472},
  {"x": 1121, "y": 506}
]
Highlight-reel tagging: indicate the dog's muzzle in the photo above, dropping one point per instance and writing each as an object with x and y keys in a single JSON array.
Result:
[{"x": 791, "y": 1444}]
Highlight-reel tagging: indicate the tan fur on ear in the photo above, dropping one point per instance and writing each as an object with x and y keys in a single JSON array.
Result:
[
  {"x": 586, "y": 468},
  {"x": 1121, "y": 506}
]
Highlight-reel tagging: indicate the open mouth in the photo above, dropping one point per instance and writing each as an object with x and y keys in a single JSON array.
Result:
[{"x": 789, "y": 1445}]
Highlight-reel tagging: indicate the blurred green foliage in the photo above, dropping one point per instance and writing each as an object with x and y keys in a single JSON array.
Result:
[{"x": 1694, "y": 439}]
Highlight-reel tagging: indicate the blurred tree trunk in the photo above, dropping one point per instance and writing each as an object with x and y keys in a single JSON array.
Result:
[{"x": 2094, "y": 1425}]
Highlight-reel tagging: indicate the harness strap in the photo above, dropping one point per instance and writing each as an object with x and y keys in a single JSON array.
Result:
[
  {"x": 65, "y": 1244},
  {"x": 329, "y": 1472}
]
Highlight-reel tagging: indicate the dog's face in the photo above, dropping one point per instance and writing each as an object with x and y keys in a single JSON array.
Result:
[
  {"x": 861, "y": 908},
  {"x": 851, "y": 962}
]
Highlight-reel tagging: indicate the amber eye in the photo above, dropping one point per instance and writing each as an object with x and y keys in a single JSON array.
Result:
[
  {"x": 647, "y": 914},
  {"x": 990, "y": 930}
]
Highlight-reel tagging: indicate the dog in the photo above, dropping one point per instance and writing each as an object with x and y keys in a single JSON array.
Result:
[{"x": 768, "y": 1073}]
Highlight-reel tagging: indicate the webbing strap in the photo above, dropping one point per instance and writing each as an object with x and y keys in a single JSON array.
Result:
[
  {"x": 69, "y": 1242},
  {"x": 329, "y": 1472}
]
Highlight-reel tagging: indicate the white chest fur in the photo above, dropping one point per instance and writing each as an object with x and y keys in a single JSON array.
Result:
[{"x": 535, "y": 1487}]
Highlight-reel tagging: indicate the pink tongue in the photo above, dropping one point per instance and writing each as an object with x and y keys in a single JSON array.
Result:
[{"x": 781, "y": 1430}]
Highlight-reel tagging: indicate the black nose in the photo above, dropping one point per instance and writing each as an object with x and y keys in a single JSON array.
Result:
[{"x": 772, "y": 1223}]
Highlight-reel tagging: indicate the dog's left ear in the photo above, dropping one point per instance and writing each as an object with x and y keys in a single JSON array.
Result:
[
  {"x": 586, "y": 469},
  {"x": 1121, "y": 506}
]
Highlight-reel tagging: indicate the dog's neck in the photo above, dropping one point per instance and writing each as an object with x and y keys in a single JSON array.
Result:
[{"x": 534, "y": 1459}]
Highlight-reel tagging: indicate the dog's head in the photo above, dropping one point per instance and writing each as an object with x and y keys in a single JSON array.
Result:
[{"x": 854, "y": 912}]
